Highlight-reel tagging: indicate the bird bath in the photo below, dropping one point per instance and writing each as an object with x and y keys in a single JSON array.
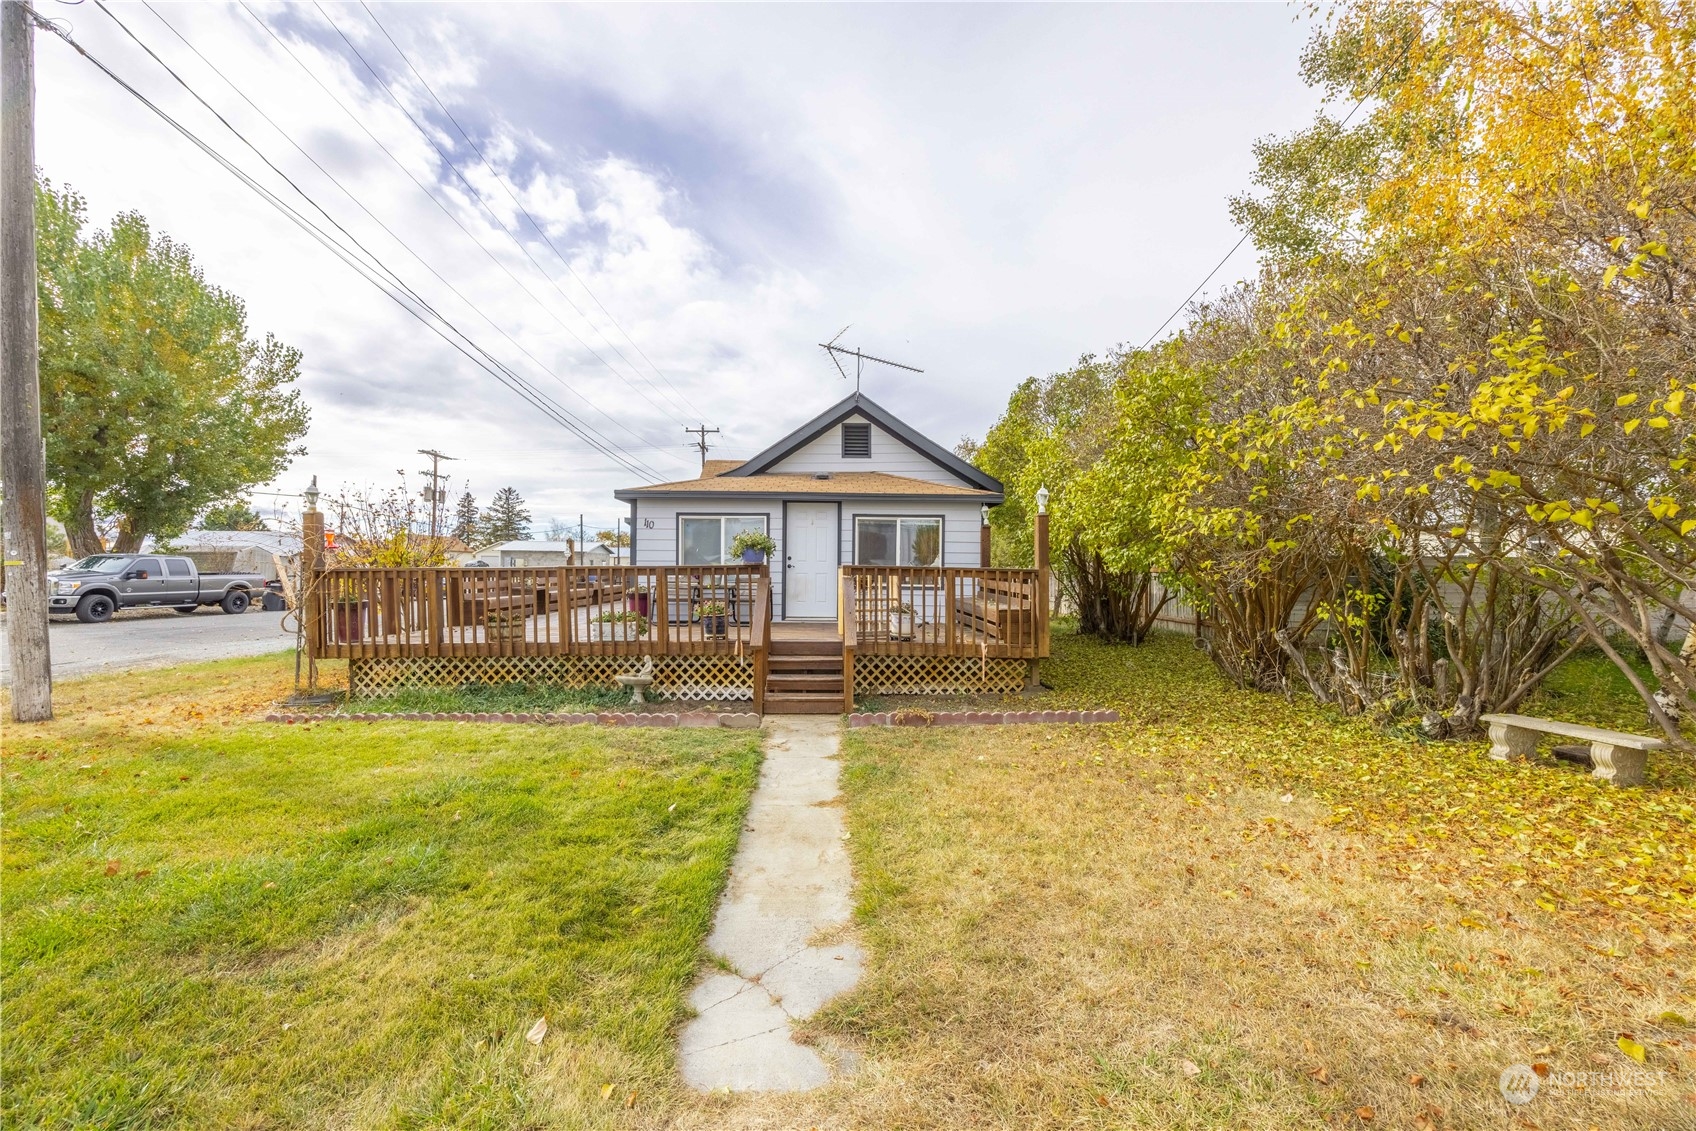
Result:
[{"x": 638, "y": 681}]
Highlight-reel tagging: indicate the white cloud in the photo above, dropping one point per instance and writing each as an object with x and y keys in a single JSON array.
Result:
[{"x": 986, "y": 192}]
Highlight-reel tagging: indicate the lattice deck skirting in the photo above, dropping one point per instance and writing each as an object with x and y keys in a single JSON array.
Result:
[
  {"x": 938, "y": 675},
  {"x": 713, "y": 678}
]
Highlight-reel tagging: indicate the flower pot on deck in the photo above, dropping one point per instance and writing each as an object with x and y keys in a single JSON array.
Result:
[
  {"x": 347, "y": 621},
  {"x": 637, "y": 602},
  {"x": 753, "y": 557},
  {"x": 901, "y": 626},
  {"x": 713, "y": 627},
  {"x": 505, "y": 624}
]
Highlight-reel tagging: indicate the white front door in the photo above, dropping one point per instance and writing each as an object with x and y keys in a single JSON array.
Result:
[{"x": 811, "y": 541}]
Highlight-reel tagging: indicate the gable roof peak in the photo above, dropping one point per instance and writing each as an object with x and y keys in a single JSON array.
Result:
[{"x": 858, "y": 404}]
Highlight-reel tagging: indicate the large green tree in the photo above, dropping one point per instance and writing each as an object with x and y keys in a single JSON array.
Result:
[
  {"x": 232, "y": 516},
  {"x": 156, "y": 403},
  {"x": 507, "y": 517}
]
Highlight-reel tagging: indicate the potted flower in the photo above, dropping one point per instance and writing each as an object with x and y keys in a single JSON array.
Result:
[
  {"x": 347, "y": 616},
  {"x": 712, "y": 618},
  {"x": 505, "y": 622},
  {"x": 753, "y": 546},
  {"x": 618, "y": 626},
  {"x": 637, "y": 601},
  {"x": 901, "y": 622}
]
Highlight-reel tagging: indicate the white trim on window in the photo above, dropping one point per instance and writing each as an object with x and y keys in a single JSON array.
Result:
[
  {"x": 904, "y": 544},
  {"x": 729, "y": 525}
]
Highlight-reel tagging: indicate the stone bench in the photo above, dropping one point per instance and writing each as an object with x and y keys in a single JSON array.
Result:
[{"x": 1616, "y": 756}]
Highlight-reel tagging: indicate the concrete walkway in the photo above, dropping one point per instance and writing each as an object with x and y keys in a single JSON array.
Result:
[{"x": 782, "y": 926}]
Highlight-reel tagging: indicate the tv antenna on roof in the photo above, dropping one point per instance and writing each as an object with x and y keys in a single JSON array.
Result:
[{"x": 860, "y": 359}]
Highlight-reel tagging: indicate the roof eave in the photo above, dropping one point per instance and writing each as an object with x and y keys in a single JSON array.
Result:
[{"x": 991, "y": 498}]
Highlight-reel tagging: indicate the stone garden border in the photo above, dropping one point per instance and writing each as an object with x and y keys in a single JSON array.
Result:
[
  {"x": 910, "y": 718},
  {"x": 744, "y": 720},
  {"x": 738, "y": 719}
]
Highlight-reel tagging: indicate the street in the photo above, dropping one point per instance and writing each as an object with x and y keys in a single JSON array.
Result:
[{"x": 149, "y": 638}]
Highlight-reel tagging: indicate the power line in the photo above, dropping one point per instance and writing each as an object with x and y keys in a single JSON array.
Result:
[
  {"x": 354, "y": 198},
  {"x": 1240, "y": 241},
  {"x": 540, "y": 231},
  {"x": 444, "y": 209},
  {"x": 579, "y": 428},
  {"x": 478, "y": 195},
  {"x": 1197, "y": 290},
  {"x": 397, "y": 292}
]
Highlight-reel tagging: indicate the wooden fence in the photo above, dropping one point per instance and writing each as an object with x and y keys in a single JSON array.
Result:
[{"x": 367, "y": 613}]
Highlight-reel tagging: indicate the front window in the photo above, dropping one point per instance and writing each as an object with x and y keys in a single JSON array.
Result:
[
  {"x": 102, "y": 563},
  {"x": 706, "y": 539},
  {"x": 898, "y": 541}
]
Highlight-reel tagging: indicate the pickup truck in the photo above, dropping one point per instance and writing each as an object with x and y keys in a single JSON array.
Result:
[{"x": 101, "y": 584}]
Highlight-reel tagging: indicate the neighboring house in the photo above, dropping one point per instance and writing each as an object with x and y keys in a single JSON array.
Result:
[
  {"x": 525, "y": 552},
  {"x": 266, "y": 552},
  {"x": 596, "y": 555},
  {"x": 853, "y": 486}
]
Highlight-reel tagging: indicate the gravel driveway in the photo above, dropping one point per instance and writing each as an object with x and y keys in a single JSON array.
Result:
[{"x": 154, "y": 638}]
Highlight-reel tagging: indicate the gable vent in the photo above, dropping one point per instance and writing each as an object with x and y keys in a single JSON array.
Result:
[{"x": 856, "y": 441}]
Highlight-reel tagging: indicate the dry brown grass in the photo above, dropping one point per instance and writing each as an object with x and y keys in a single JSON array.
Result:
[{"x": 1121, "y": 927}]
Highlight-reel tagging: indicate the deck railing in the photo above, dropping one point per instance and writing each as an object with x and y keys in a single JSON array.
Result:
[
  {"x": 920, "y": 611},
  {"x": 363, "y": 613}
]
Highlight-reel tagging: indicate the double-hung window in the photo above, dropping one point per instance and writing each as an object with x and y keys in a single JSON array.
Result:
[
  {"x": 897, "y": 541},
  {"x": 705, "y": 539}
]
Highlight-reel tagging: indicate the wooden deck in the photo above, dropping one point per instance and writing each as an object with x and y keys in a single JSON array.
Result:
[{"x": 935, "y": 619}]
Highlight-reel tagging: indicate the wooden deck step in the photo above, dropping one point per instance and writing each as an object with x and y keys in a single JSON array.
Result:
[
  {"x": 832, "y": 663},
  {"x": 828, "y": 647},
  {"x": 781, "y": 682},
  {"x": 802, "y": 703}
]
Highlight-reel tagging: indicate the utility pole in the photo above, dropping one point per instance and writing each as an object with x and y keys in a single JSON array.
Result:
[
  {"x": 701, "y": 442},
  {"x": 23, "y": 463},
  {"x": 437, "y": 494}
]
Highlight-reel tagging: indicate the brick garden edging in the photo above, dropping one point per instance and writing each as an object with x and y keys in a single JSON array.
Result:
[
  {"x": 976, "y": 718},
  {"x": 740, "y": 720},
  {"x": 737, "y": 719}
]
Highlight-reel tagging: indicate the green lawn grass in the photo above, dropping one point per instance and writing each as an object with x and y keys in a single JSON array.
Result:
[
  {"x": 215, "y": 922},
  {"x": 491, "y": 697}
]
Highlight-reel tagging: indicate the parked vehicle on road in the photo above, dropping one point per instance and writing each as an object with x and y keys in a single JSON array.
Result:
[{"x": 101, "y": 584}]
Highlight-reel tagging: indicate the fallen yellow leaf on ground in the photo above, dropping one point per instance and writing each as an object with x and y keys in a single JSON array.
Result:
[{"x": 537, "y": 1031}]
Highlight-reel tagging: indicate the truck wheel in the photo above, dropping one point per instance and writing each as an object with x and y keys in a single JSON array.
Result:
[
  {"x": 96, "y": 608},
  {"x": 187, "y": 609},
  {"x": 235, "y": 601}
]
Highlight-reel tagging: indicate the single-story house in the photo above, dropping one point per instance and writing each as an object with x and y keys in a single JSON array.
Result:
[
  {"x": 267, "y": 552},
  {"x": 525, "y": 552},
  {"x": 596, "y": 555},
  {"x": 853, "y": 486}
]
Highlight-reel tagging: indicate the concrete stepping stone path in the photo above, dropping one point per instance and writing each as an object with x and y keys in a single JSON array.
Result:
[{"x": 788, "y": 895}]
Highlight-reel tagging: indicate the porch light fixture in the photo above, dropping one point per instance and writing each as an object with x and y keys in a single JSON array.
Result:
[
  {"x": 983, "y": 513},
  {"x": 1041, "y": 500},
  {"x": 311, "y": 496}
]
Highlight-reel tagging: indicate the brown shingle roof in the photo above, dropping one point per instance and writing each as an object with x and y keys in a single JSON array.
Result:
[
  {"x": 837, "y": 483},
  {"x": 713, "y": 467}
]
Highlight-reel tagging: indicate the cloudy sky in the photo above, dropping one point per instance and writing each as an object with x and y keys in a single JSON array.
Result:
[{"x": 653, "y": 214}]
